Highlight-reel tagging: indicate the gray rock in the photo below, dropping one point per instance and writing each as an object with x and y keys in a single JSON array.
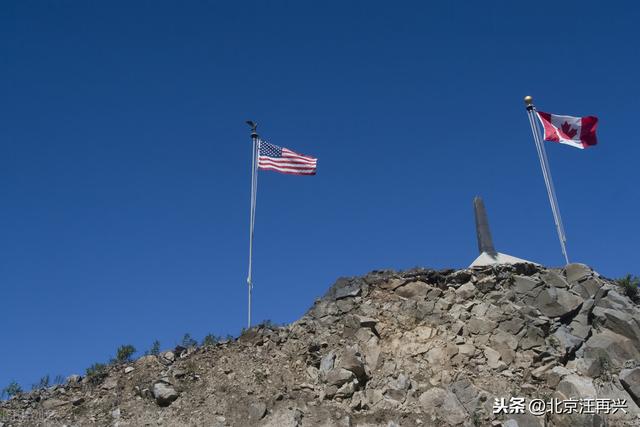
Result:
[
  {"x": 577, "y": 272},
  {"x": 554, "y": 279},
  {"x": 557, "y": 302},
  {"x": 53, "y": 403},
  {"x": 257, "y": 411},
  {"x": 466, "y": 291},
  {"x": 443, "y": 404},
  {"x": 326, "y": 363},
  {"x": 413, "y": 290},
  {"x": 344, "y": 288},
  {"x": 630, "y": 379},
  {"x": 575, "y": 386},
  {"x": 164, "y": 393},
  {"x": 339, "y": 376},
  {"x": 524, "y": 285}
]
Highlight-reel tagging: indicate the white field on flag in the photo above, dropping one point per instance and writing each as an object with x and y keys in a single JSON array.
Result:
[{"x": 283, "y": 160}]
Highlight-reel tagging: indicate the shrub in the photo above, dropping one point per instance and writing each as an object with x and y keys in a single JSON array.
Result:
[
  {"x": 124, "y": 353},
  {"x": 96, "y": 373},
  {"x": 43, "y": 383},
  {"x": 187, "y": 341},
  {"x": 11, "y": 390},
  {"x": 629, "y": 284},
  {"x": 210, "y": 340},
  {"x": 155, "y": 348}
]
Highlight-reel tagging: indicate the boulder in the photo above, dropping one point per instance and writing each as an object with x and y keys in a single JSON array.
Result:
[
  {"x": 257, "y": 411},
  {"x": 444, "y": 405},
  {"x": 164, "y": 393},
  {"x": 577, "y": 272},
  {"x": 557, "y": 302},
  {"x": 630, "y": 379}
]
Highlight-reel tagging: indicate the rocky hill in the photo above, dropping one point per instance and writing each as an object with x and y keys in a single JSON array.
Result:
[{"x": 413, "y": 348}]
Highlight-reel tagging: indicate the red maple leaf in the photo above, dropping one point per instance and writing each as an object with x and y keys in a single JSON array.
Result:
[{"x": 568, "y": 131}]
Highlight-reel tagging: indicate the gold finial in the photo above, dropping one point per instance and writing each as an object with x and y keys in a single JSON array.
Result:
[{"x": 528, "y": 100}]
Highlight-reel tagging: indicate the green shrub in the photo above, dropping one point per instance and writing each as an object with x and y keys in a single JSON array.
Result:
[
  {"x": 11, "y": 390},
  {"x": 630, "y": 285},
  {"x": 43, "y": 383},
  {"x": 187, "y": 341},
  {"x": 124, "y": 353},
  {"x": 210, "y": 340},
  {"x": 96, "y": 373},
  {"x": 155, "y": 348}
]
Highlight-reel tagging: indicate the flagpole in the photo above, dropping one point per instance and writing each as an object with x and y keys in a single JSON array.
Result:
[
  {"x": 252, "y": 213},
  {"x": 546, "y": 174}
]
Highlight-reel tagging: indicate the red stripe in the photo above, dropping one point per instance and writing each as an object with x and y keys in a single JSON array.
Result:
[
  {"x": 287, "y": 152},
  {"x": 288, "y": 172},
  {"x": 285, "y": 164},
  {"x": 588, "y": 131},
  {"x": 287, "y": 159}
]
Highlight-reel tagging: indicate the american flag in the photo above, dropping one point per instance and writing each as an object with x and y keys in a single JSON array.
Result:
[{"x": 280, "y": 159}]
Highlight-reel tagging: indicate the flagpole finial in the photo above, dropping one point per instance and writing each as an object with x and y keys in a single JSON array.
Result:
[
  {"x": 528, "y": 100},
  {"x": 254, "y": 128}
]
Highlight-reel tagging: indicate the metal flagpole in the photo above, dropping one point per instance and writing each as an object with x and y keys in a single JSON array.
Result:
[
  {"x": 546, "y": 173},
  {"x": 252, "y": 214}
]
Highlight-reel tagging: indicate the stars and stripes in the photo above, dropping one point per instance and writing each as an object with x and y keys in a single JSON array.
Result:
[{"x": 283, "y": 160}]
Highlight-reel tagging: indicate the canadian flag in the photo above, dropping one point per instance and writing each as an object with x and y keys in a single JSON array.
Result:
[{"x": 579, "y": 132}]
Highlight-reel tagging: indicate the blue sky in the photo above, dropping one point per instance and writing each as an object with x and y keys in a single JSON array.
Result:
[{"x": 125, "y": 160}]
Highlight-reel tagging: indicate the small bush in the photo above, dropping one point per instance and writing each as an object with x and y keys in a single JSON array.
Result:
[
  {"x": 96, "y": 373},
  {"x": 11, "y": 390},
  {"x": 630, "y": 285},
  {"x": 210, "y": 340},
  {"x": 187, "y": 341},
  {"x": 43, "y": 383},
  {"x": 124, "y": 353},
  {"x": 59, "y": 379},
  {"x": 155, "y": 348}
]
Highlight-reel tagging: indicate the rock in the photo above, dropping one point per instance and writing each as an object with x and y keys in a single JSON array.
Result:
[
  {"x": 444, "y": 405},
  {"x": 493, "y": 358},
  {"x": 164, "y": 393},
  {"x": 109, "y": 384},
  {"x": 169, "y": 356},
  {"x": 344, "y": 288},
  {"x": 554, "y": 279},
  {"x": 413, "y": 290},
  {"x": 609, "y": 347},
  {"x": 73, "y": 379},
  {"x": 129, "y": 369},
  {"x": 557, "y": 302},
  {"x": 326, "y": 363},
  {"x": 524, "y": 285},
  {"x": 565, "y": 341},
  {"x": 466, "y": 291},
  {"x": 467, "y": 350},
  {"x": 351, "y": 360},
  {"x": 556, "y": 374},
  {"x": 575, "y": 386},
  {"x": 53, "y": 404},
  {"x": 339, "y": 376},
  {"x": 577, "y": 272},
  {"x": 630, "y": 379},
  {"x": 481, "y": 326},
  {"x": 257, "y": 411}
]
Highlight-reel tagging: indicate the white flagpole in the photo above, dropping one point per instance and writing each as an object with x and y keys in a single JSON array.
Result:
[
  {"x": 252, "y": 213},
  {"x": 546, "y": 174}
]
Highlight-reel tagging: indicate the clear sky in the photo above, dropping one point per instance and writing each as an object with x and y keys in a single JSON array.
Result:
[{"x": 125, "y": 160}]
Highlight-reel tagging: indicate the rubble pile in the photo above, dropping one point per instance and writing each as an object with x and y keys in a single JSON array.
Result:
[{"x": 413, "y": 348}]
